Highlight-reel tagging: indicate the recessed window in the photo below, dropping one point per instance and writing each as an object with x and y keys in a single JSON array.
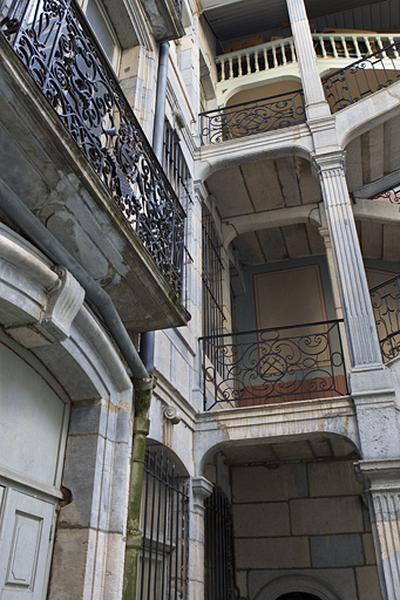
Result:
[{"x": 103, "y": 30}]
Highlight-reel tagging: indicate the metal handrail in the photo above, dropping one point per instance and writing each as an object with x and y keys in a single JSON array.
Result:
[
  {"x": 252, "y": 117},
  {"x": 275, "y": 364},
  {"x": 386, "y": 305},
  {"x": 269, "y": 329},
  {"x": 346, "y": 86}
]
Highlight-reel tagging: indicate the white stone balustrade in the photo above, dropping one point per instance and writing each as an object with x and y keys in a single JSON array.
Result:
[{"x": 278, "y": 58}]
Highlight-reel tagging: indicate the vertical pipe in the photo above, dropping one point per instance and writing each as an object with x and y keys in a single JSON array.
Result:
[
  {"x": 148, "y": 338},
  {"x": 134, "y": 536},
  {"x": 141, "y": 424}
]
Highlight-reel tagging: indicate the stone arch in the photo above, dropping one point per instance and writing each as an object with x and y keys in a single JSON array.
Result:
[
  {"x": 345, "y": 430},
  {"x": 229, "y": 96},
  {"x": 46, "y": 322},
  {"x": 370, "y": 112},
  {"x": 263, "y": 146},
  {"x": 296, "y": 583},
  {"x": 173, "y": 456}
]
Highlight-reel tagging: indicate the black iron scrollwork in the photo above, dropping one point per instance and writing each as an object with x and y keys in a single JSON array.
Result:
[
  {"x": 363, "y": 77},
  {"x": 386, "y": 303},
  {"x": 392, "y": 196},
  {"x": 250, "y": 118},
  {"x": 53, "y": 40},
  {"x": 270, "y": 365}
]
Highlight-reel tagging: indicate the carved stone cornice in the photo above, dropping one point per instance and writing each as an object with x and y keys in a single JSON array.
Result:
[{"x": 382, "y": 475}]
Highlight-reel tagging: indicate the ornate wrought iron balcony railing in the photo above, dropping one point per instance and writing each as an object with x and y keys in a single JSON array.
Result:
[
  {"x": 56, "y": 45},
  {"x": 254, "y": 117},
  {"x": 362, "y": 78},
  {"x": 392, "y": 196},
  {"x": 386, "y": 303},
  {"x": 266, "y": 366}
]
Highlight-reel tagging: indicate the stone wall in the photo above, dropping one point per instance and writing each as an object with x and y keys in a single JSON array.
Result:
[{"x": 300, "y": 519}]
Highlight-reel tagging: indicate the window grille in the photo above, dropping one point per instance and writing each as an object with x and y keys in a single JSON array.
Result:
[
  {"x": 219, "y": 548},
  {"x": 175, "y": 165},
  {"x": 213, "y": 313},
  {"x": 164, "y": 523}
]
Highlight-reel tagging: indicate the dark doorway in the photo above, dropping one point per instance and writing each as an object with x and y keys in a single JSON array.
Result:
[{"x": 298, "y": 596}]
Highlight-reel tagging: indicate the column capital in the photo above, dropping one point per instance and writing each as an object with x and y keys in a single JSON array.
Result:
[
  {"x": 329, "y": 161},
  {"x": 201, "y": 489},
  {"x": 200, "y": 190},
  {"x": 382, "y": 475}
]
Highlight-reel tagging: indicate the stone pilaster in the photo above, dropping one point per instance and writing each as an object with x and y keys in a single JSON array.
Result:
[
  {"x": 383, "y": 481},
  {"x": 316, "y": 105},
  {"x": 201, "y": 489},
  {"x": 361, "y": 328}
]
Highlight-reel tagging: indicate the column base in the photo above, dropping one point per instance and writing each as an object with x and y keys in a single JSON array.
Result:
[{"x": 373, "y": 380}]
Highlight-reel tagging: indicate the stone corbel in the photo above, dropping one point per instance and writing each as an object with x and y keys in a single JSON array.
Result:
[
  {"x": 171, "y": 418},
  {"x": 382, "y": 475},
  {"x": 64, "y": 301},
  {"x": 201, "y": 489}
]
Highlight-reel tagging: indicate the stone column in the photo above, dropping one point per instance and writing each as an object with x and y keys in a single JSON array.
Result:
[
  {"x": 383, "y": 481},
  {"x": 316, "y": 104},
  {"x": 201, "y": 489},
  {"x": 337, "y": 301},
  {"x": 361, "y": 328}
]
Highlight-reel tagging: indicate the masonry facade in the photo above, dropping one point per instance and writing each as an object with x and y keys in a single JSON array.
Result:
[{"x": 199, "y": 300}]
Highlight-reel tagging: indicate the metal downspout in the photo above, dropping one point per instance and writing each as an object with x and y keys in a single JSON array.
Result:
[{"x": 143, "y": 400}]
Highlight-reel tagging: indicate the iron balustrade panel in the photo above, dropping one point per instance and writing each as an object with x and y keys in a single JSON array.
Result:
[
  {"x": 275, "y": 365},
  {"x": 55, "y": 43},
  {"x": 392, "y": 196},
  {"x": 212, "y": 278},
  {"x": 386, "y": 304},
  {"x": 219, "y": 548},
  {"x": 163, "y": 563},
  {"x": 364, "y": 77},
  {"x": 249, "y": 118},
  {"x": 179, "y": 8}
]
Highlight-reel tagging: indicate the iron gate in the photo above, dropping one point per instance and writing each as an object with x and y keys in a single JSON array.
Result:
[
  {"x": 164, "y": 554},
  {"x": 219, "y": 548}
]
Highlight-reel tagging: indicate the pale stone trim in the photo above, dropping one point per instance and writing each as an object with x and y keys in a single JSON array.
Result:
[
  {"x": 383, "y": 479},
  {"x": 261, "y": 423},
  {"x": 296, "y": 583},
  {"x": 360, "y": 320}
]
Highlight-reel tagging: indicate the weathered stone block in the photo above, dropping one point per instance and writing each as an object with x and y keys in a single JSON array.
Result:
[
  {"x": 336, "y": 551},
  {"x": 262, "y": 483},
  {"x": 272, "y": 553},
  {"x": 326, "y": 515},
  {"x": 369, "y": 549},
  {"x": 261, "y": 519},
  {"x": 368, "y": 583},
  {"x": 333, "y": 479}
]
